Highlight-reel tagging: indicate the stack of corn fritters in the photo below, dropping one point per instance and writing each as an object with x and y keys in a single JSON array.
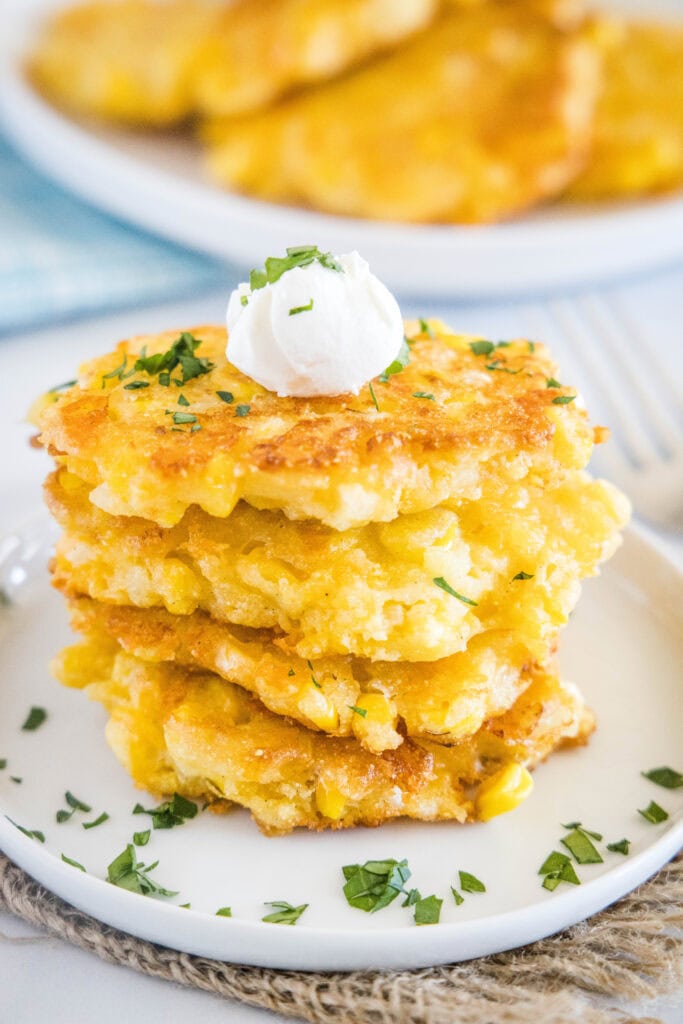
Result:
[
  {"x": 442, "y": 111},
  {"x": 330, "y": 610}
]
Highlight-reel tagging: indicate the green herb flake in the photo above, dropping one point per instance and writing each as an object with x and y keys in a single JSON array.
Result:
[
  {"x": 531, "y": 345},
  {"x": 399, "y": 363},
  {"x": 457, "y": 897},
  {"x": 62, "y": 387},
  {"x": 620, "y": 847},
  {"x": 31, "y": 833},
  {"x": 654, "y": 813},
  {"x": 244, "y": 300},
  {"x": 580, "y": 846},
  {"x": 554, "y": 862},
  {"x": 428, "y": 910},
  {"x": 142, "y": 838},
  {"x": 501, "y": 368},
  {"x": 373, "y": 396},
  {"x": 34, "y": 719},
  {"x": 135, "y": 385},
  {"x": 424, "y": 394},
  {"x": 468, "y": 883},
  {"x": 412, "y": 898},
  {"x": 184, "y": 906},
  {"x": 313, "y": 679},
  {"x": 301, "y": 309},
  {"x": 552, "y": 383},
  {"x": 225, "y": 912},
  {"x": 73, "y": 863},
  {"x": 5, "y": 599},
  {"x": 182, "y": 400},
  {"x": 482, "y": 348},
  {"x": 126, "y": 872},
  {"x": 16, "y": 779},
  {"x": 242, "y": 410},
  {"x": 297, "y": 256},
  {"x": 666, "y": 777},
  {"x": 119, "y": 372},
  {"x": 165, "y": 379},
  {"x": 3, "y": 763},
  {"x": 98, "y": 821},
  {"x": 577, "y": 824},
  {"x": 563, "y": 399},
  {"x": 425, "y": 328},
  {"x": 291, "y": 672},
  {"x": 181, "y": 417},
  {"x": 75, "y": 804},
  {"x": 441, "y": 582},
  {"x": 170, "y": 813},
  {"x": 284, "y": 913},
  {"x": 358, "y": 711},
  {"x": 375, "y": 884},
  {"x": 226, "y": 396},
  {"x": 181, "y": 353},
  {"x": 523, "y": 576}
]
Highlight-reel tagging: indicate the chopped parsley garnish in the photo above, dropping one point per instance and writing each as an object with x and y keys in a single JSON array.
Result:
[
  {"x": 182, "y": 400},
  {"x": 225, "y": 912},
  {"x": 127, "y": 872},
  {"x": 35, "y": 719},
  {"x": 195, "y": 428},
  {"x": 5, "y": 599},
  {"x": 399, "y": 363},
  {"x": 666, "y": 777},
  {"x": 654, "y": 813},
  {"x": 358, "y": 711},
  {"x": 184, "y": 906},
  {"x": 15, "y": 778},
  {"x": 142, "y": 838},
  {"x": 165, "y": 379},
  {"x": 3, "y": 763},
  {"x": 119, "y": 373},
  {"x": 412, "y": 897},
  {"x": 482, "y": 348},
  {"x": 523, "y": 576},
  {"x": 242, "y": 410},
  {"x": 425, "y": 328},
  {"x": 73, "y": 863},
  {"x": 170, "y": 813},
  {"x": 244, "y": 300},
  {"x": 441, "y": 582},
  {"x": 62, "y": 387},
  {"x": 621, "y": 847},
  {"x": 301, "y": 309},
  {"x": 563, "y": 399},
  {"x": 181, "y": 417},
  {"x": 552, "y": 383},
  {"x": 313, "y": 679},
  {"x": 135, "y": 385},
  {"x": 457, "y": 897},
  {"x": 577, "y": 824},
  {"x": 297, "y": 256},
  {"x": 181, "y": 353},
  {"x": 373, "y": 396},
  {"x": 291, "y": 672},
  {"x": 468, "y": 883},
  {"x": 284, "y": 913},
  {"x": 557, "y": 868},
  {"x": 75, "y": 805},
  {"x": 375, "y": 884},
  {"x": 98, "y": 821},
  {"x": 531, "y": 345},
  {"x": 424, "y": 394},
  {"x": 428, "y": 910},
  {"x": 579, "y": 844},
  {"x": 497, "y": 365},
  {"x": 31, "y": 833},
  {"x": 226, "y": 396}
]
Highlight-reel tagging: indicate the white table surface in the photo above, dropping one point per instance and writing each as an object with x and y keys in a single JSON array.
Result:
[{"x": 50, "y": 980}]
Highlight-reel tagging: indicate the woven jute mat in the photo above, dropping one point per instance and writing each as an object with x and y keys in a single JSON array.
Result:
[{"x": 633, "y": 951}]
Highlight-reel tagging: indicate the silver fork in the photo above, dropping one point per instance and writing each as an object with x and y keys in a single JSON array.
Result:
[{"x": 641, "y": 404}]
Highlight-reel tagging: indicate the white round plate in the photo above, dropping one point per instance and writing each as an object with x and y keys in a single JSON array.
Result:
[
  {"x": 623, "y": 647},
  {"x": 156, "y": 182}
]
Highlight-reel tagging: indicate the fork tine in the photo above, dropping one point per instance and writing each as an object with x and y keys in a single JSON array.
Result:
[
  {"x": 654, "y": 415},
  {"x": 633, "y": 442}
]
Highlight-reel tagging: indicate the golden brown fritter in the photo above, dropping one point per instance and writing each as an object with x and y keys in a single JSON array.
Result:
[
  {"x": 482, "y": 116},
  {"x": 193, "y": 733},
  {"x": 369, "y": 591},
  {"x": 444, "y": 700},
  {"x": 492, "y": 421},
  {"x": 259, "y": 50},
  {"x": 132, "y": 60},
  {"x": 638, "y": 139}
]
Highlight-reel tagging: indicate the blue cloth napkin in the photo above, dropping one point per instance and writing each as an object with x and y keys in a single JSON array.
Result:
[{"x": 61, "y": 259}]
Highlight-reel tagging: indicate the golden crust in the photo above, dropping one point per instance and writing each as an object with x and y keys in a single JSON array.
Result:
[
  {"x": 638, "y": 140},
  {"x": 336, "y": 459},
  {"x": 192, "y": 733},
  {"x": 368, "y": 592},
  {"x": 445, "y": 700},
  {"x": 494, "y": 116}
]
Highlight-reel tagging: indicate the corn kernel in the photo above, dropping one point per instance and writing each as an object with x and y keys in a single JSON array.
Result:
[
  {"x": 503, "y": 791},
  {"x": 379, "y": 709},
  {"x": 329, "y": 800},
  {"x": 318, "y": 708},
  {"x": 69, "y": 482}
]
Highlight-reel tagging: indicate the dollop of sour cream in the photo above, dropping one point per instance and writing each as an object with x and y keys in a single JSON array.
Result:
[{"x": 316, "y": 330}]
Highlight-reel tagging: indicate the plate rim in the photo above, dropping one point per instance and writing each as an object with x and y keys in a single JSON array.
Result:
[{"x": 385, "y": 948}]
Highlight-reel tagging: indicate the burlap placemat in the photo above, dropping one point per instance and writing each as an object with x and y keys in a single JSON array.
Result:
[{"x": 631, "y": 951}]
